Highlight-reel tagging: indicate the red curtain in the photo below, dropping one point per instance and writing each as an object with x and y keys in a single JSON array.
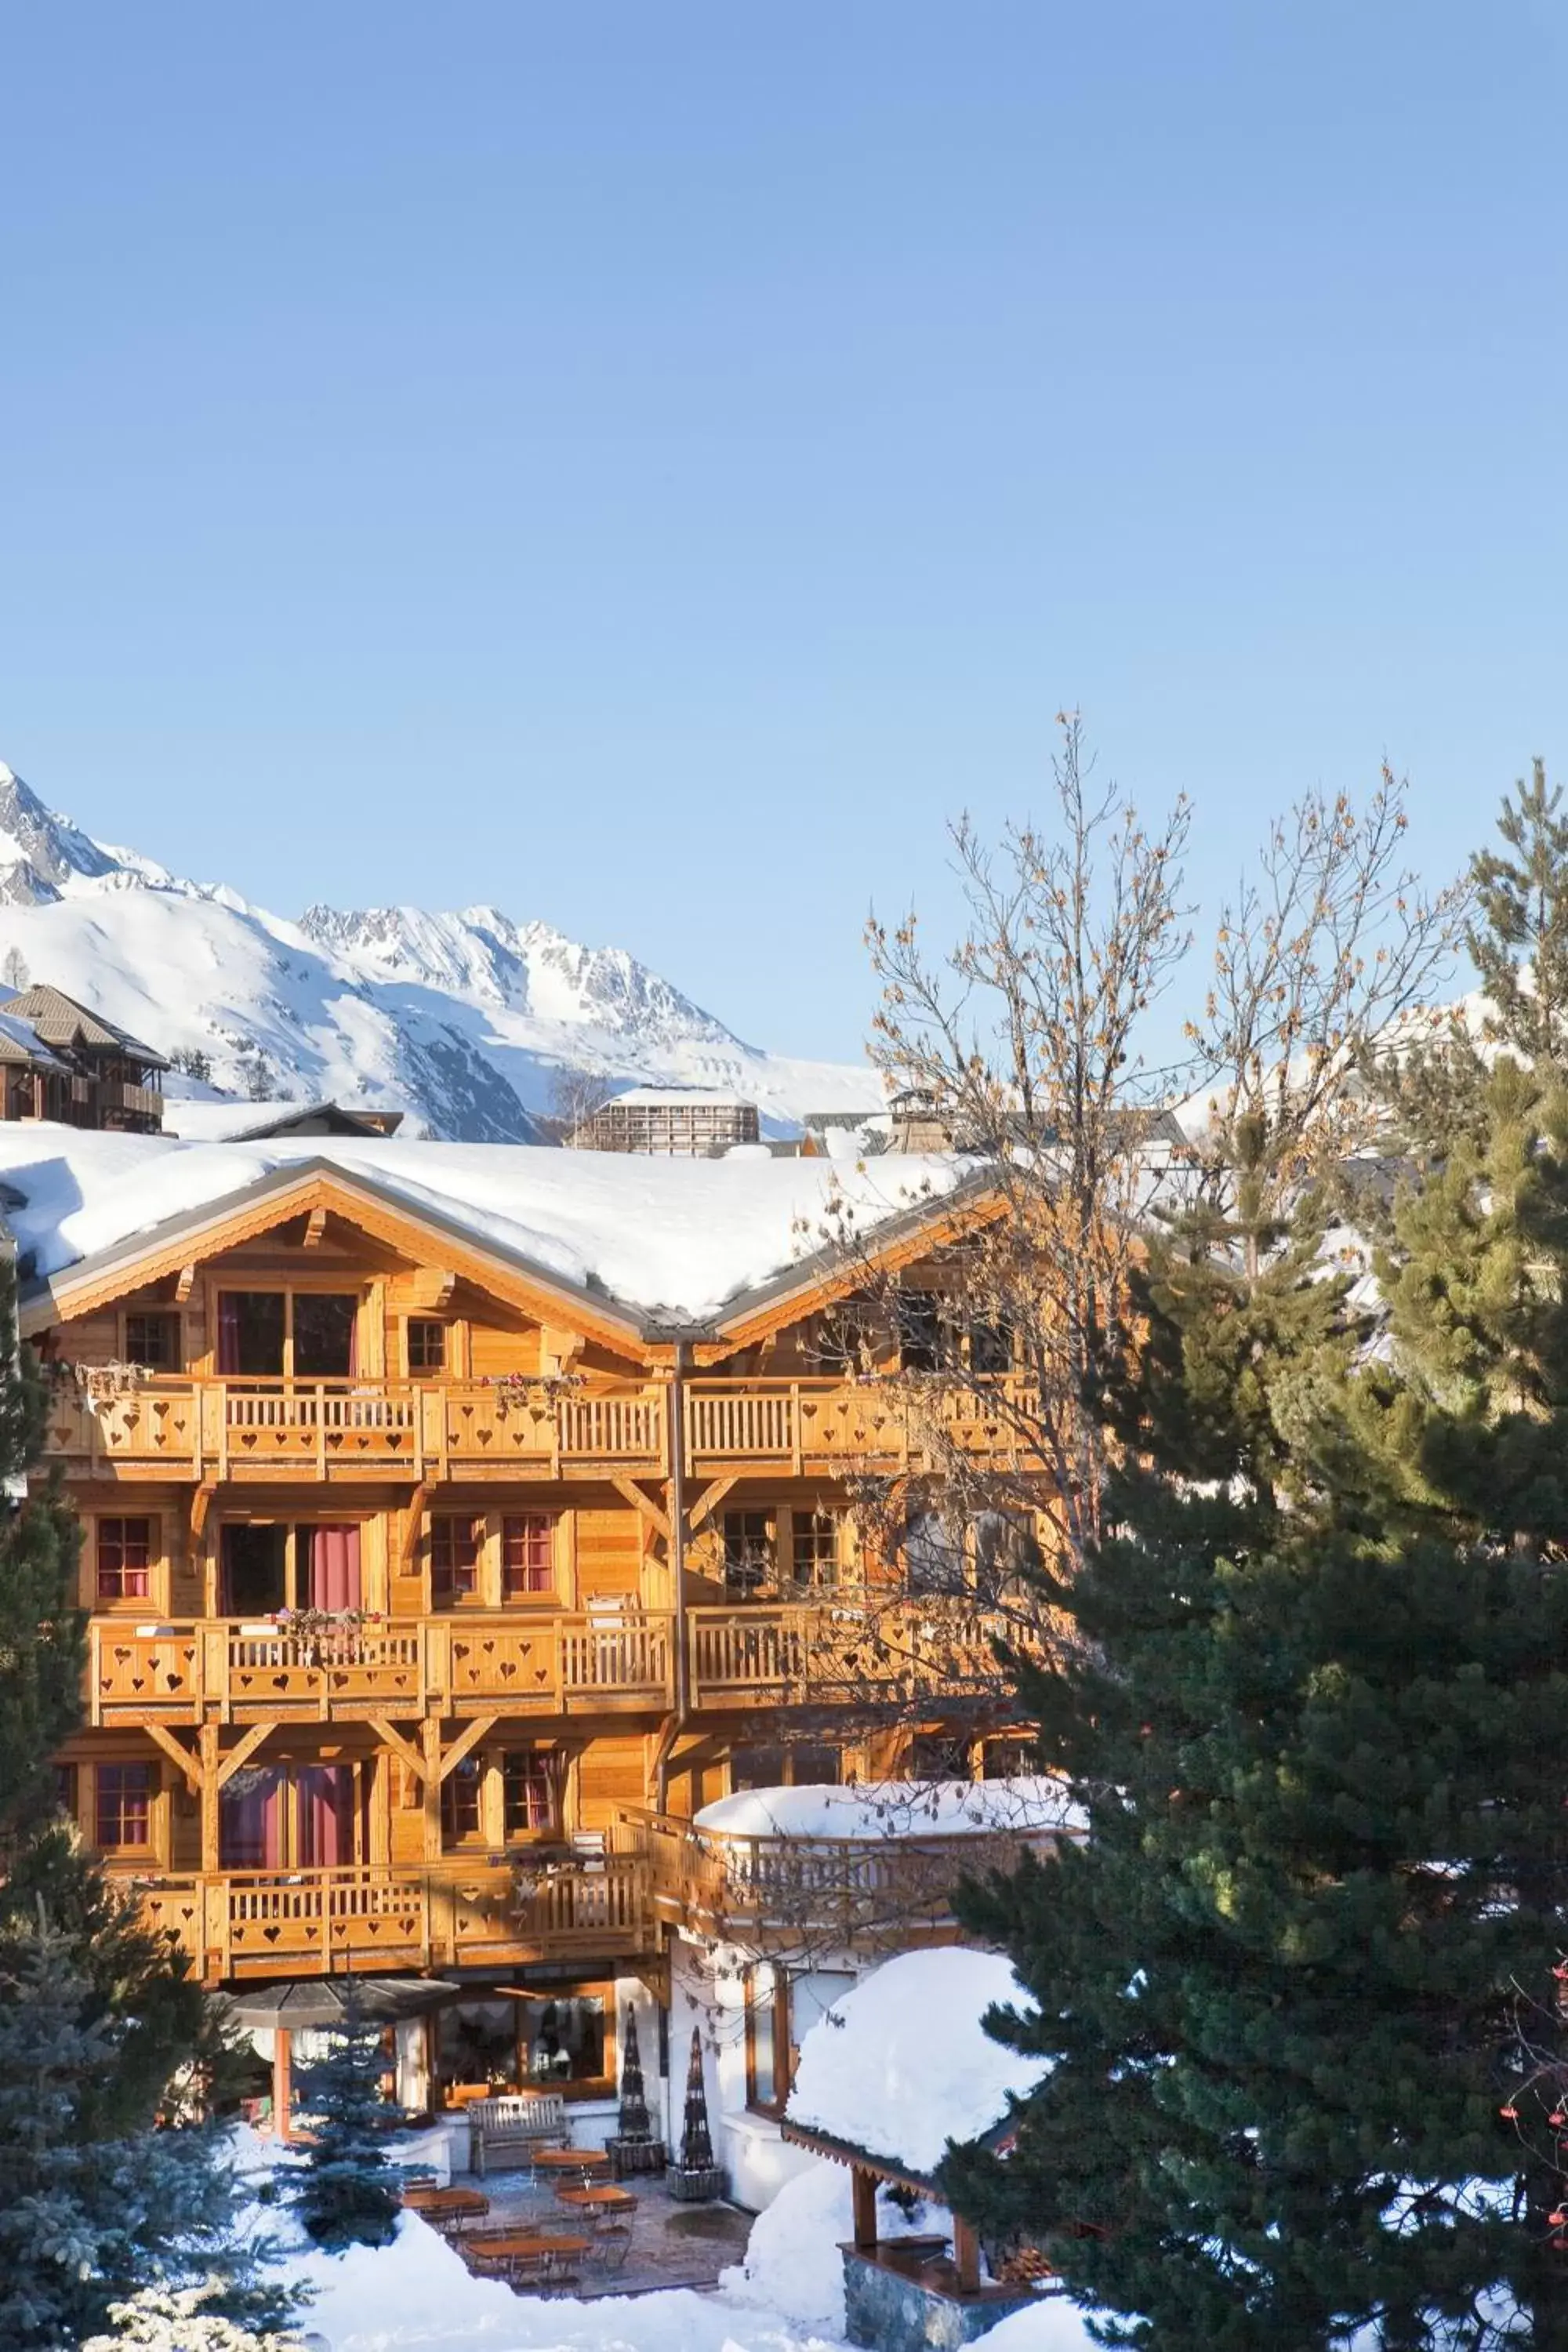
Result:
[
  {"x": 228, "y": 1331},
  {"x": 326, "y": 1815},
  {"x": 250, "y": 1821},
  {"x": 334, "y": 1568}
]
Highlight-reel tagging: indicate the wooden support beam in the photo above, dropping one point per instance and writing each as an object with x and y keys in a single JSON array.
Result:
[
  {"x": 413, "y": 1523},
  {"x": 466, "y": 1741},
  {"x": 863, "y": 2195},
  {"x": 282, "y": 2080},
  {"x": 390, "y": 1736},
  {"x": 430, "y": 1732},
  {"x": 315, "y": 1227},
  {"x": 209, "y": 1795},
  {"x": 183, "y": 1759},
  {"x": 708, "y": 1502},
  {"x": 630, "y": 1492},
  {"x": 244, "y": 1749},
  {"x": 201, "y": 1503},
  {"x": 184, "y": 1282},
  {"x": 966, "y": 2255}
]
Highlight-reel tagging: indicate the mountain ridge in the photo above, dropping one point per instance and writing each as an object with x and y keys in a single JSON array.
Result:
[{"x": 463, "y": 1018}]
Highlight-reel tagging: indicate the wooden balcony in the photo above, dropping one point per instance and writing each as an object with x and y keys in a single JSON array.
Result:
[
  {"x": 313, "y": 1922},
  {"x": 815, "y": 1894},
  {"x": 866, "y": 1653},
  {"x": 335, "y": 1430},
  {"x": 549, "y": 1664},
  {"x": 826, "y": 1427}
]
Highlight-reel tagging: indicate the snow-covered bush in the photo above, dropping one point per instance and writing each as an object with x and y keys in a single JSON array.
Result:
[{"x": 172, "y": 2319}]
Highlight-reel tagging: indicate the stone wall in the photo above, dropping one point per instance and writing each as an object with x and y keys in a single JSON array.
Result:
[{"x": 889, "y": 2313}]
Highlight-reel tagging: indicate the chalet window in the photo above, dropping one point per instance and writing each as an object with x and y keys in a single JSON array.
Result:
[
  {"x": 262, "y": 1334},
  {"x": 767, "y": 2038},
  {"x": 845, "y": 1340},
  {"x": 251, "y": 1325},
  {"x": 813, "y": 1549},
  {"x": 922, "y": 1337},
  {"x": 290, "y": 1817},
  {"x": 455, "y": 1544},
  {"x": 1008, "y": 1760},
  {"x": 462, "y": 1805},
  {"x": 566, "y": 2040},
  {"x": 938, "y": 1756},
  {"x": 1007, "y": 1552},
  {"x": 325, "y": 1335},
  {"x": 933, "y": 1556},
  {"x": 268, "y": 1566},
  {"x": 990, "y": 1348},
  {"x": 67, "y": 1790},
  {"x": 529, "y": 1790},
  {"x": 426, "y": 1345},
  {"x": 124, "y": 1556},
  {"x": 804, "y": 1764},
  {"x": 748, "y": 1550},
  {"x": 153, "y": 1340},
  {"x": 123, "y": 1811},
  {"x": 527, "y": 1555}
]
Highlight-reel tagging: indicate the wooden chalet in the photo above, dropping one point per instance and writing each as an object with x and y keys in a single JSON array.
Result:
[
  {"x": 433, "y": 1588},
  {"x": 61, "y": 1062}
]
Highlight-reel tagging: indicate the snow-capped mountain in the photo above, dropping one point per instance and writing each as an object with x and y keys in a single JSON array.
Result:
[{"x": 465, "y": 1019}]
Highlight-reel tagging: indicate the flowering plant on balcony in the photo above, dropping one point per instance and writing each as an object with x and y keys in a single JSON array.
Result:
[
  {"x": 529, "y": 1387},
  {"x": 100, "y": 1383},
  {"x": 334, "y": 1631}
]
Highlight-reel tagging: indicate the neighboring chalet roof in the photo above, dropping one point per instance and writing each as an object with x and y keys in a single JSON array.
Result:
[
  {"x": 901, "y": 2063},
  {"x": 251, "y": 1122},
  {"x": 59, "y": 1019},
  {"x": 21, "y": 1047},
  {"x": 658, "y": 1249}
]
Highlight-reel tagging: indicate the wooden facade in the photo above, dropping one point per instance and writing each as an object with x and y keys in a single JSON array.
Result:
[{"x": 428, "y": 1601}]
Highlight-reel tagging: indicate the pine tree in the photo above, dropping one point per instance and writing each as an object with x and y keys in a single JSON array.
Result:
[
  {"x": 98, "y": 2017},
  {"x": 1299, "y": 1984},
  {"x": 348, "y": 2191}
]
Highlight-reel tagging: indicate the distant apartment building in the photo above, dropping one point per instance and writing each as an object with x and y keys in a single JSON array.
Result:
[
  {"x": 668, "y": 1121},
  {"x": 58, "y": 1061}
]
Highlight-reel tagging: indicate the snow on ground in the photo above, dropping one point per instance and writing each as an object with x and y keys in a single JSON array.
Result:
[
  {"x": 417, "y": 2295},
  {"x": 679, "y": 1236},
  {"x": 901, "y": 2064},
  {"x": 892, "y": 1809}
]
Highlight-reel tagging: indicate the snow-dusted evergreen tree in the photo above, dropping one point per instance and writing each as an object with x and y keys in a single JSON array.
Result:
[
  {"x": 1300, "y": 1985},
  {"x": 348, "y": 2191}
]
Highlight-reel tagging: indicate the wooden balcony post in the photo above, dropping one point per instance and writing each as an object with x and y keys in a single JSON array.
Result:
[
  {"x": 209, "y": 1796},
  {"x": 282, "y": 2081},
  {"x": 966, "y": 2255},
  {"x": 863, "y": 2196}
]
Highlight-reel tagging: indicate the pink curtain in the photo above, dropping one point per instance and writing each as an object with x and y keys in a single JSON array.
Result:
[
  {"x": 228, "y": 1331},
  {"x": 326, "y": 1799},
  {"x": 250, "y": 1821},
  {"x": 334, "y": 1568}
]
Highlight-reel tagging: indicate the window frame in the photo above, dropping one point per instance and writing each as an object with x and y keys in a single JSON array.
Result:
[
  {"x": 544, "y": 1524},
  {"x": 808, "y": 1527},
  {"x": 118, "y": 1768},
  {"x": 173, "y": 1323},
  {"x": 119, "y": 1596},
  {"x": 587, "y": 2086},
  {"x": 445, "y": 1592},
  {"x": 777, "y": 2000},
  {"x": 738, "y": 1581},
  {"x": 326, "y": 1288},
  {"x": 426, "y": 1323}
]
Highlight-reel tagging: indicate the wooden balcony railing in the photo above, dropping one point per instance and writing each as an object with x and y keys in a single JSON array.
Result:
[
  {"x": 333, "y": 1430},
  {"x": 829, "y": 1893},
  {"x": 853, "y": 1653},
  {"x": 826, "y": 1426},
  {"x": 253, "y": 1923},
  {"x": 551, "y": 1663}
]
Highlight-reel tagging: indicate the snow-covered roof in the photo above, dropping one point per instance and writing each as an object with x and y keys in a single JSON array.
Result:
[
  {"x": 901, "y": 2064},
  {"x": 20, "y": 1041},
  {"x": 680, "y": 1098},
  {"x": 237, "y": 1122},
  {"x": 894, "y": 1808},
  {"x": 672, "y": 1240}
]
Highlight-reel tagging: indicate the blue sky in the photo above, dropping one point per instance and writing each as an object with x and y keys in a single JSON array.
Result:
[{"x": 646, "y": 464}]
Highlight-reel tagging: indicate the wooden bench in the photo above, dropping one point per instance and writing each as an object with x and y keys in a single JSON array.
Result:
[{"x": 508, "y": 2131}]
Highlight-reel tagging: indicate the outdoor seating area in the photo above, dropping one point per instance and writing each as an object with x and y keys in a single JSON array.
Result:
[{"x": 559, "y": 2224}]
